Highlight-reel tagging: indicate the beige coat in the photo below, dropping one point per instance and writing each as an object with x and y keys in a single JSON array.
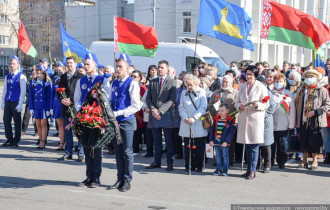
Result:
[
  {"x": 321, "y": 104},
  {"x": 251, "y": 120}
]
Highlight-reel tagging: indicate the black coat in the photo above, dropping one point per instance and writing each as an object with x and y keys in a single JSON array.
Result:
[{"x": 70, "y": 87}]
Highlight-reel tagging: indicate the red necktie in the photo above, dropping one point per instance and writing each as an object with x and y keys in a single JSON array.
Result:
[{"x": 161, "y": 83}]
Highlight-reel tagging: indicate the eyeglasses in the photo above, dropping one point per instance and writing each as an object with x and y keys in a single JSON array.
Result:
[
  {"x": 133, "y": 76},
  {"x": 270, "y": 70}
]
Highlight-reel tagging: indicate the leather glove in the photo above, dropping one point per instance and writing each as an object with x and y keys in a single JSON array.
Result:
[
  {"x": 51, "y": 112},
  {"x": 19, "y": 108},
  {"x": 32, "y": 112},
  {"x": 2, "y": 105},
  {"x": 47, "y": 113}
]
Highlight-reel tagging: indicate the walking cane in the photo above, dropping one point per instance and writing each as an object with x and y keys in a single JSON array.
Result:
[
  {"x": 243, "y": 157},
  {"x": 189, "y": 147}
]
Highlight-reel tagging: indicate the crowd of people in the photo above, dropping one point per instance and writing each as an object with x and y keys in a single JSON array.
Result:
[{"x": 243, "y": 113}]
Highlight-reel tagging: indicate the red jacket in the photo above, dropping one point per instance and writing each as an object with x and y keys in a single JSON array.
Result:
[{"x": 139, "y": 114}]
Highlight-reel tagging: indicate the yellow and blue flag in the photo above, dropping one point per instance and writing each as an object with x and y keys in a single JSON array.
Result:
[
  {"x": 72, "y": 47},
  {"x": 227, "y": 22}
]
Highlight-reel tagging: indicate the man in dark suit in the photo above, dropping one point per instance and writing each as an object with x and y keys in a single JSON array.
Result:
[
  {"x": 160, "y": 99},
  {"x": 69, "y": 81}
]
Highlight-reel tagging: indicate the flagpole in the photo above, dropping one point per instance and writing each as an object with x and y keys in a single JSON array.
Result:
[{"x": 195, "y": 51}]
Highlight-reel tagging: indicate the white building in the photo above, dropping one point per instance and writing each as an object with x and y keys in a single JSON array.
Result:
[
  {"x": 94, "y": 22},
  {"x": 177, "y": 18},
  {"x": 9, "y": 25}
]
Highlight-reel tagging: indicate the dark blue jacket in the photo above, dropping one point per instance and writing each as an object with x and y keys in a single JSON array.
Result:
[{"x": 227, "y": 133}]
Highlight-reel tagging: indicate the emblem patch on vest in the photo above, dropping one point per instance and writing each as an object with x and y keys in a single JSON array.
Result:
[{"x": 84, "y": 86}]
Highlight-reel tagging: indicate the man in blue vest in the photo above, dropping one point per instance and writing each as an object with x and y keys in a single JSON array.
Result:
[
  {"x": 13, "y": 95},
  {"x": 93, "y": 159},
  {"x": 125, "y": 102}
]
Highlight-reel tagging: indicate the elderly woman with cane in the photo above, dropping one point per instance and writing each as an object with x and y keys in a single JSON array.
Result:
[
  {"x": 252, "y": 103},
  {"x": 192, "y": 106}
]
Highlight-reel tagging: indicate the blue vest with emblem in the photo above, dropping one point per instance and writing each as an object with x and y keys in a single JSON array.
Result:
[
  {"x": 86, "y": 86},
  {"x": 120, "y": 98},
  {"x": 13, "y": 87}
]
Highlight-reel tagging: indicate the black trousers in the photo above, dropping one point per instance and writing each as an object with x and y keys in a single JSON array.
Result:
[
  {"x": 149, "y": 139},
  {"x": 93, "y": 161},
  {"x": 137, "y": 139},
  {"x": 177, "y": 142},
  {"x": 197, "y": 155},
  {"x": 26, "y": 120},
  {"x": 281, "y": 156},
  {"x": 232, "y": 155},
  {"x": 265, "y": 152},
  {"x": 10, "y": 112}
]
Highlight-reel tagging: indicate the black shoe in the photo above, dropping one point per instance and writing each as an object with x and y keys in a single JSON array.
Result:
[
  {"x": 75, "y": 149},
  {"x": 169, "y": 167},
  {"x": 7, "y": 144},
  {"x": 117, "y": 185},
  {"x": 126, "y": 187},
  {"x": 38, "y": 142},
  {"x": 313, "y": 168},
  {"x": 56, "y": 134},
  {"x": 96, "y": 183},
  {"x": 148, "y": 155},
  {"x": 266, "y": 170},
  {"x": 111, "y": 152},
  {"x": 178, "y": 156},
  {"x": 65, "y": 157},
  {"x": 153, "y": 165},
  {"x": 298, "y": 158},
  {"x": 15, "y": 145},
  {"x": 199, "y": 170},
  {"x": 281, "y": 166},
  {"x": 80, "y": 159},
  {"x": 86, "y": 182}
]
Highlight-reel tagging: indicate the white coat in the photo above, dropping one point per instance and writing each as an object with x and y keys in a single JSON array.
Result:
[{"x": 251, "y": 120}]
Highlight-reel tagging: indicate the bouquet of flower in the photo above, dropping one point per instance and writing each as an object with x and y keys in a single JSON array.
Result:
[
  {"x": 264, "y": 100},
  {"x": 91, "y": 116},
  {"x": 62, "y": 92}
]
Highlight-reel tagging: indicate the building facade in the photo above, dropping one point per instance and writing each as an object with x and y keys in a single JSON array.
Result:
[
  {"x": 41, "y": 20},
  {"x": 9, "y": 25}
]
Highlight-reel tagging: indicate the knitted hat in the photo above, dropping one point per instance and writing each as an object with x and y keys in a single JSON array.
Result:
[
  {"x": 312, "y": 72},
  {"x": 206, "y": 80}
]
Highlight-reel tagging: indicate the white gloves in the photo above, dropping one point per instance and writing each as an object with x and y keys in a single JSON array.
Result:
[
  {"x": 2, "y": 105},
  {"x": 32, "y": 112},
  {"x": 19, "y": 107},
  {"x": 51, "y": 112},
  {"x": 47, "y": 113}
]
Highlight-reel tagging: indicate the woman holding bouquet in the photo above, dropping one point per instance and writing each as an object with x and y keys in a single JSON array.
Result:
[
  {"x": 251, "y": 118},
  {"x": 39, "y": 101},
  {"x": 312, "y": 104},
  {"x": 56, "y": 106}
]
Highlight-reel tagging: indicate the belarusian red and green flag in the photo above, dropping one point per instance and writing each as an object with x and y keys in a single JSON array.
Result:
[
  {"x": 24, "y": 42},
  {"x": 289, "y": 25},
  {"x": 134, "y": 38}
]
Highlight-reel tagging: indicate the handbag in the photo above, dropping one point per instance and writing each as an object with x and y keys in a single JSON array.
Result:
[
  {"x": 290, "y": 143},
  {"x": 315, "y": 139},
  {"x": 206, "y": 119}
]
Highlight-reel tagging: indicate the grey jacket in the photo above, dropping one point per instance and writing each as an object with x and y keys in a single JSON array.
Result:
[
  {"x": 161, "y": 99},
  {"x": 268, "y": 129}
]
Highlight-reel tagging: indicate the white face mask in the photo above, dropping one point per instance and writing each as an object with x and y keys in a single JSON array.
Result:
[
  {"x": 202, "y": 71},
  {"x": 225, "y": 88},
  {"x": 234, "y": 69},
  {"x": 209, "y": 77},
  {"x": 279, "y": 85},
  {"x": 291, "y": 82},
  {"x": 310, "y": 81}
]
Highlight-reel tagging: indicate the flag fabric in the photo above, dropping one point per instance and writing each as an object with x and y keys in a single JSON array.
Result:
[
  {"x": 289, "y": 25},
  {"x": 227, "y": 22},
  {"x": 24, "y": 42},
  {"x": 134, "y": 38},
  {"x": 72, "y": 47},
  {"x": 285, "y": 106},
  {"x": 318, "y": 58}
]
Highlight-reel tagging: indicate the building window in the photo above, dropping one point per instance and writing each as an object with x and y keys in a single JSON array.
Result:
[
  {"x": 4, "y": 40},
  {"x": 45, "y": 48},
  {"x": 32, "y": 20},
  {"x": 4, "y": 19},
  {"x": 33, "y": 34},
  {"x": 3, "y": 1},
  {"x": 44, "y": 34},
  {"x": 31, "y": 4},
  {"x": 44, "y": 19},
  {"x": 186, "y": 22},
  {"x": 4, "y": 60}
]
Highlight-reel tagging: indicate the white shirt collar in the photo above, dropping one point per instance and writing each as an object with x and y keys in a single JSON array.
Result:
[{"x": 124, "y": 79}]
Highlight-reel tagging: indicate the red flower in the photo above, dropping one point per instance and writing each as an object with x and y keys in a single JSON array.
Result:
[
  {"x": 284, "y": 98},
  {"x": 60, "y": 90},
  {"x": 79, "y": 115},
  {"x": 264, "y": 101},
  {"x": 287, "y": 95},
  {"x": 194, "y": 147},
  {"x": 90, "y": 109},
  {"x": 314, "y": 86},
  {"x": 188, "y": 146},
  {"x": 94, "y": 104},
  {"x": 267, "y": 98},
  {"x": 217, "y": 96}
]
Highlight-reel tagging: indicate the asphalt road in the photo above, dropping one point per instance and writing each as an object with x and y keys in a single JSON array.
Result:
[{"x": 33, "y": 179}]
